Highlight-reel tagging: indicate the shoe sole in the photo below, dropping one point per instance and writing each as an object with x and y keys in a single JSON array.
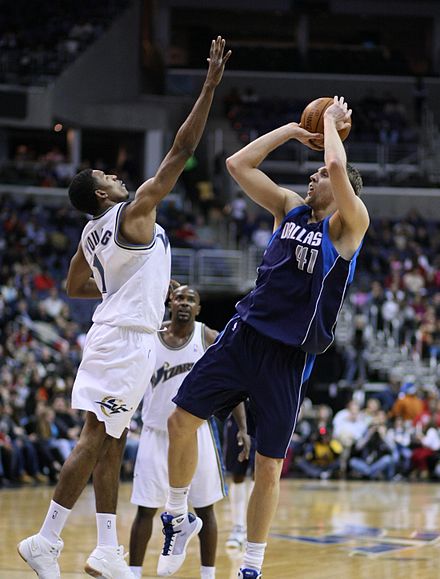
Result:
[
  {"x": 234, "y": 545},
  {"x": 25, "y": 560},
  {"x": 93, "y": 572}
]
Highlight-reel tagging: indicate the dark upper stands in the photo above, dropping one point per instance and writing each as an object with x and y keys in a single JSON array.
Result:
[{"x": 39, "y": 39}]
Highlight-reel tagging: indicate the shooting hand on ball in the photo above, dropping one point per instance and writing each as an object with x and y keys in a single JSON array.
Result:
[
  {"x": 305, "y": 137},
  {"x": 339, "y": 113}
]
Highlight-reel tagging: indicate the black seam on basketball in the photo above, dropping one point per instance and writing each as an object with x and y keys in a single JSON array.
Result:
[{"x": 319, "y": 118}]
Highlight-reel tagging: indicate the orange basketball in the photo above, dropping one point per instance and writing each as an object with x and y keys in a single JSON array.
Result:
[{"x": 312, "y": 119}]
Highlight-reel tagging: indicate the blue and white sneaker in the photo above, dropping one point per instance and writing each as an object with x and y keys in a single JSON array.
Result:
[
  {"x": 178, "y": 532},
  {"x": 249, "y": 574}
]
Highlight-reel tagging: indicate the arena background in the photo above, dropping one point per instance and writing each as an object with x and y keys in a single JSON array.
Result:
[{"x": 106, "y": 84}]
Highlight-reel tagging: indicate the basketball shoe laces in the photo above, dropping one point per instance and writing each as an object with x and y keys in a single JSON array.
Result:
[{"x": 170, "y": 538}]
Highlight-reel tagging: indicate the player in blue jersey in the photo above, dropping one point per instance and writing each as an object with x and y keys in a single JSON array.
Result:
[{"x": 267, "y": 350}]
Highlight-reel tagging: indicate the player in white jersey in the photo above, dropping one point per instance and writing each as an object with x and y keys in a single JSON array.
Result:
[
  {"x": 182, "y": 342},
  {"x": 124, "y": 258}
]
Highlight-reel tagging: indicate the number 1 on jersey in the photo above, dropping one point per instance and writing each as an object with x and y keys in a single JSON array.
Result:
[
  {"x": 301, "y": 254},
  {"x": 100, "y": 269}
]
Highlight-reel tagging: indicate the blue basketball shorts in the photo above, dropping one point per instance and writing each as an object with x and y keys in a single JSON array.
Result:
[{"x": 242, "y": 364}]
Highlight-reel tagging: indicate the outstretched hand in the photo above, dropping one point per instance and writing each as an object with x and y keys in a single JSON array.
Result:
[
  {"x": 217, "y": 60},
  {"x": 339, "y": 112}
]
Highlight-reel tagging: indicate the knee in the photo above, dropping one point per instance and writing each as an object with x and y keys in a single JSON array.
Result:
[
  {"x": 268, "y": 470},
  {"x": 181, "y": 424}
]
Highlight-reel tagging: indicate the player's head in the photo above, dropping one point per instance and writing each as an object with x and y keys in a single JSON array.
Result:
[
  {"x": 92, "y": 191},
  {"x": 320, "y": 194},
  {"x": 184, "y": 304}
]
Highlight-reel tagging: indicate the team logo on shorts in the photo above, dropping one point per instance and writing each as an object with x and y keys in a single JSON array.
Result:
[{"x": 110, "y": 406}]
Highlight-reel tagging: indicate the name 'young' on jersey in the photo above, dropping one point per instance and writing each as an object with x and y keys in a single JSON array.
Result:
[
  {"x": 133, "y": 279},
  {"x": 301, "y": 285}
]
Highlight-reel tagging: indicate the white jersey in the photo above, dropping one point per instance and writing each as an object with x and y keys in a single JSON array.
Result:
[
  {"x": 133, "y": 279},
  {"x": 172, "y": 365}
]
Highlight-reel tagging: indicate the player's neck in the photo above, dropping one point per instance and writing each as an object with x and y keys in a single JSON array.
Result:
[
  {"x": 320, "y": 214},
  {"x": 181, "y": 330}
]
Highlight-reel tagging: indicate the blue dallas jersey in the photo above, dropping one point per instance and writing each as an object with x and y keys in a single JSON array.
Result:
[{"x": 301, "y": 285}]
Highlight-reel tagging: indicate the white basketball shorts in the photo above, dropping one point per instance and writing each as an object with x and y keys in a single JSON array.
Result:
[
  {"x": 116, "y": 367},
  {"x": 150, "y": 482}
]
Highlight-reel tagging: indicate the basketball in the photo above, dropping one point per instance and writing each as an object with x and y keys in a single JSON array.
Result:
[{"x": 312, "y": 119}]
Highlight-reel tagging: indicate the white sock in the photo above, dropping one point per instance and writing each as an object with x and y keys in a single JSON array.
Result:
[
  {"x": 207, "y": 572},
  {"x": 106, "y": 526},
  {"x": 254, "y": 556},
  {"x": 177, "y": 502},
  {"x": 54, "y": 522},
  {"x": 237, "y": 497},
  {"x": 137, "y": 572}
]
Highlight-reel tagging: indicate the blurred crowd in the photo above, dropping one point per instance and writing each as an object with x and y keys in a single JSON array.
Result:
[
  {"x": 379, "y": 118},
  {"x": 393, "y": 440},
  {"x": 39, "y": 39},
  {"x": 396, "y": 303}
]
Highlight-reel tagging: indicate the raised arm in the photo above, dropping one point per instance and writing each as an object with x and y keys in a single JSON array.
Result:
[
  {"x": 351, "y": 219},
  {"x": 79, "y": 282},
  {"x": 138, "y": 221},
  {"x": 243, "y": 166}
]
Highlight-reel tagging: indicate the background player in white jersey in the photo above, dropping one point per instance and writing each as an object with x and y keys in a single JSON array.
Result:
[
  {"x": 128, "y": 255},
  {"x": 181, "y": 343}
]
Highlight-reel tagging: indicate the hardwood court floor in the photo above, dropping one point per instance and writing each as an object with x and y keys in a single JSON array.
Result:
[{"x": 323, "y": 530}]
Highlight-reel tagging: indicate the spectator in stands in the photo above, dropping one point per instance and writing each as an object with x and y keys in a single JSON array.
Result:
[
  {"x": 399, "y": 437},
  {"x": 427, "y": 441},
  {"x": 355, "y": 352},
  {"x": 413, "y": 281},
  {"x": 43, "y": 280},
  {"x": 408, "y": 405},
  {"x": 53, "y": 304},
  {"x": 322, "y": 457},
  {"x": 67, "y": 425},
  {"x": 237, "y": 211},
  {"x": 261, "y": 235},
  {"x": 349, "y": 425},
  {"x": 373, "y": 453}
]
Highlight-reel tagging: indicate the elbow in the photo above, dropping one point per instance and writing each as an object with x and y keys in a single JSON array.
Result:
[
  {"x": 71, "y": 291},
  {"x": 334, "y": 164},
  {"x": 232, "y": 164}
]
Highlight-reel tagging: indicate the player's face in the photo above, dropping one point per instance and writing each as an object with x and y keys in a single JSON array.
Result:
[
  {"x": 185, "y": 304},
  {"x": 114, "y": 188},
  {"x": 319, "y": 192}
]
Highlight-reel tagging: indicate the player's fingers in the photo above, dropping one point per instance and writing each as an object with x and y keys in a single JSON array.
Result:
[
  {"x": 226, "y": 57},
  {"x": 335, "y": 100},
  {"x": 349, "y": 112}
]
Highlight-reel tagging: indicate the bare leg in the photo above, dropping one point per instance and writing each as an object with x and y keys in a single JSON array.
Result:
[
  {"x": 208, "y": 536},
  {"x": 182, "y": 453},
  {"x": 263, "y": 501},
  {"x": 140, "y": 535},
  {"x": 79, "y": 466},
  {"x": 106, "y": 474}
]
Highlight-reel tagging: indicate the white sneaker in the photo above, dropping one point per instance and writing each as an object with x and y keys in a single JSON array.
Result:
[
  {"x": 108, "y": 563},
  {"x": 237, "y": 537},
  {"x": 41, "y": 556},
  {"x": 178, "y": 532}
]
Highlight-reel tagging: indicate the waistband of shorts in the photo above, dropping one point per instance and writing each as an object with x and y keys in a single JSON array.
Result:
[
  {"x": 137, "y": 329},
  {"x": 157, "y": 430}
]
